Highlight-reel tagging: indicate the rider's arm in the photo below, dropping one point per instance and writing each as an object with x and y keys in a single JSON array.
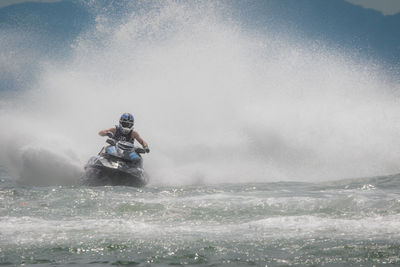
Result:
[
  {"x": 139, "y": 139},
  {"x": 104, "y": 132}
]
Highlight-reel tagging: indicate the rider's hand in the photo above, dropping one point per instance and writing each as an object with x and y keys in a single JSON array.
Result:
[
  {"x": 147, "y": 149},
  {"x": 110, "y": 134}
]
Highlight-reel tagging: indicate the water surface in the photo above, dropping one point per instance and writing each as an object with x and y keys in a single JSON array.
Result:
[{"x": 351, "y": 222}]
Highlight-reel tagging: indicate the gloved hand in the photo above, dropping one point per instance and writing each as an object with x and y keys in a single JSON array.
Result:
[
  {"x": 110, "y": 134},
  {"x": 147, "y": 149}
]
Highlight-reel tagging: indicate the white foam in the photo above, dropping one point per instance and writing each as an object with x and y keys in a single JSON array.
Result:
[{"x": 29, "y": 230}]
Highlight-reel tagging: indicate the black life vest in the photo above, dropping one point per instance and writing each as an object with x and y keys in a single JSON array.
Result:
[{"x": 119, "y": 136}]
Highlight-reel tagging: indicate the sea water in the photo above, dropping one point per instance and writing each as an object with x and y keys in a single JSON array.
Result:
[{"x": 350, "y": 222}]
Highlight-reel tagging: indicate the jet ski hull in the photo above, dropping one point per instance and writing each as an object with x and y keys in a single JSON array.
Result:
[{"x": 100, "y": 171}]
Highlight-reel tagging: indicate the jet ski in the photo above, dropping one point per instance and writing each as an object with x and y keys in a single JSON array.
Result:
[{"x": 118, "y": 163}]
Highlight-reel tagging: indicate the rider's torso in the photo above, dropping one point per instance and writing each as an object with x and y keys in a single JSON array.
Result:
[{"x": 120, "y": 136}]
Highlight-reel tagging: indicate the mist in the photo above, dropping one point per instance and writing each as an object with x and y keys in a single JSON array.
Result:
[{"x": 216, "y": 103}]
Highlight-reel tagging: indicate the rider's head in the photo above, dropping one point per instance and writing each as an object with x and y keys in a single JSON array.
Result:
[{"x": 126, "y": 122}]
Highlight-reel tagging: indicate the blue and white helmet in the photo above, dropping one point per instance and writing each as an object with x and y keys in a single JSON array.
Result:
[{"x": 126, "y": 123}]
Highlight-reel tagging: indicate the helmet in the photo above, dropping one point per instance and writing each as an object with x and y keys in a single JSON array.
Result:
[{"x": 126, "y": 123}]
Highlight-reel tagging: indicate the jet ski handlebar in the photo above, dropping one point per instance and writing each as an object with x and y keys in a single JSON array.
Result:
[
  {"x": 140, "y": 150},
  {"x": 110, "y": 140},
  {"x": 110, "y": 134},
  {"x": 113, "y": 142}
]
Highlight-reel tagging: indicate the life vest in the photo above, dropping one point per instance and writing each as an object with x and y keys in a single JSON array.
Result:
[{"x": 120, "y": 136}]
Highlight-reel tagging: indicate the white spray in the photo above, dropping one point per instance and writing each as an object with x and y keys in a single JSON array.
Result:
[{"x": 215, "y": 103}]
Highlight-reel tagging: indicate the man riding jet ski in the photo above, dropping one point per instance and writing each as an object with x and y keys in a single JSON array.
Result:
[
  {"x": 124, "y": 131},
  {"x": 119, "y": 163}
]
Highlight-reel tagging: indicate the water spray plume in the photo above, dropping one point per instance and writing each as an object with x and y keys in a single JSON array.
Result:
[{"x": 216, "y": 104}]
